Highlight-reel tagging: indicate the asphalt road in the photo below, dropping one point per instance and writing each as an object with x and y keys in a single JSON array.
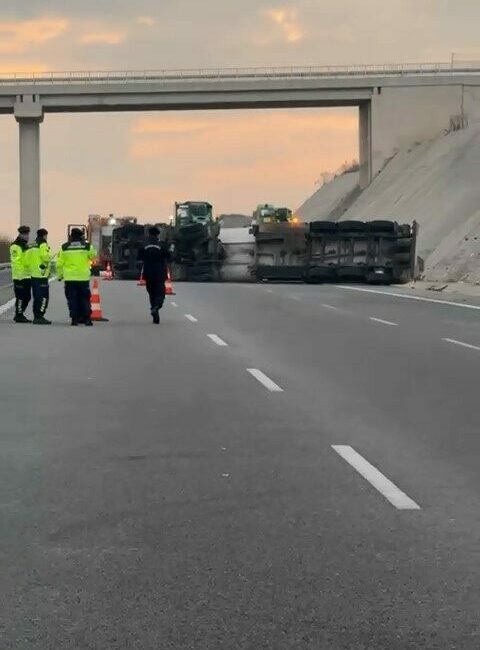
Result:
[{"x": 157, "y": 491}]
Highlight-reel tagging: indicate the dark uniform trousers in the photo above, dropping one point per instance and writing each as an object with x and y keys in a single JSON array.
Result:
[
  {"x": 41, "y": 296},
  {"x": 23, "y": 293},
  {"x": 78, "y": 299},
  {"x": 156, "y": 292}
]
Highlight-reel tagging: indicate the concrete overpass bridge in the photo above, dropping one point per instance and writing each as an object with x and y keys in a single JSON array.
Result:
[{"x": 398, "y": 104}]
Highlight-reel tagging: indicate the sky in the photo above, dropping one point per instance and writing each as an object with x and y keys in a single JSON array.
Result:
[{"x": 140, "y": 163}]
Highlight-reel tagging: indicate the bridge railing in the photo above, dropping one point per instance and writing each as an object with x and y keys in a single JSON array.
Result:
[{"x": 329, "y": 71}]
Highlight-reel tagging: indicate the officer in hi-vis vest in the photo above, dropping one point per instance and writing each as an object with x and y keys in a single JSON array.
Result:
[
  {"x": 22, "y": 284},
  {"x": 39, "y": 261}
]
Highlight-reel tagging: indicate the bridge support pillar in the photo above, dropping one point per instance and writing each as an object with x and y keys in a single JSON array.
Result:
[
  {"x": 365, "y": 144},
  {"x": 29, "y": 116}
]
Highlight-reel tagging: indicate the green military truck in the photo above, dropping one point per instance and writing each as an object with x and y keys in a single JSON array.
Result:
[{"x": 197, "y": 250}]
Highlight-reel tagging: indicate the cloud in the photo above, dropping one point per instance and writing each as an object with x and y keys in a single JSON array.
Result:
[
  {"x": 103, "y": 37},
  {"x": 287, "y": 19},
  {"x": 148, "y": 21},
  {"x": 17, "y": 37},
  {"x": 11, "y": 67}
]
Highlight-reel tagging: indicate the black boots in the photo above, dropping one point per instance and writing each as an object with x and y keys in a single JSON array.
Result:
[{"x": 20, "y": 318}]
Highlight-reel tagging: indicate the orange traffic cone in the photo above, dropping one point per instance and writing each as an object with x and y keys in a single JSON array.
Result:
[
  {"x": 141, "y": 282},
  {"x": 108, "y": 273},
  {"x": 95, "y": 303},
  {"x": 168, "y": 285}
]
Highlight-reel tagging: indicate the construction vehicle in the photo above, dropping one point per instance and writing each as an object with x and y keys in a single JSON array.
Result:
[
  {"x": 194, "y": 236},
  {"x": 99, "y": 233},
  {"x": 375, "y": 252},
  {"x": 280, "y": 245}
]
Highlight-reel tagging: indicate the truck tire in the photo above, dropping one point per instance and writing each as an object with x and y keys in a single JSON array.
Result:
[
  {"x": 352, "y": 226},
  {"x": 402, "y": 258},
  {"x": 403, "y": 245},
  {"x": 353, "y": 273},
  {"x": 323, "y": 226},
  {"x": 376, "y": 278},
  {"x": 381, "y": 225}
]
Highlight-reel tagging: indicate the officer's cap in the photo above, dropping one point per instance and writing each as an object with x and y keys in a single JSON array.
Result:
[
  {"x": 154, "y": 231},
  {"x": 42, "y": 232},
  {"x": 24, "y": 230}
]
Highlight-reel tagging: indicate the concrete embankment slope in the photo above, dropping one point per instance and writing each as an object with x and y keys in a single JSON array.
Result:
[
  {"x": 331, "y": 199},
  {"x": 436, "y": 183}
]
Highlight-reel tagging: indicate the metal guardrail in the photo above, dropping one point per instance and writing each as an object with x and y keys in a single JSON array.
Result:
[
  {"x": 329, "y": 71},
  {"x": 4, "y": 267}
]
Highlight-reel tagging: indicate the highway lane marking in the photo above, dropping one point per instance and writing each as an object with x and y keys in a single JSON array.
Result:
[
  {"x": 266, "y": 381},
  {"x": 464, "y": 345},
  {"x": 191, "y": 318},
  {"x": 294, "y": 297},
  {"x": 174, "y": 304},
  {"x": 384, "y": 322},
  {"x": 407, "y": 297},
  {"x": 380, "y": 482},
  {"x": 8, "y": 305},
  {"x": 329, "y": 306},
  {"x": 216, "y": 339},
  {"x": 269, "y": 290}
]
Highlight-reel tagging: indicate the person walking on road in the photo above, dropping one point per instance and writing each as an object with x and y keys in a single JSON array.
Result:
[
  {"x": 155, "y": 256},
  {"x": 22, "y": 283},
  {"x": 39, "y": 260},
  {"x": 74, "y": 263}
]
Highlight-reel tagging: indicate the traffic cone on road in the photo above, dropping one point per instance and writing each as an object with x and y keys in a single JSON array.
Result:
[
  {"x": 168, "y": 285},
  {"x": 108, "y": 273},
  {"x": 141, "y": 282},
  {"x": 95, "y": 305}
]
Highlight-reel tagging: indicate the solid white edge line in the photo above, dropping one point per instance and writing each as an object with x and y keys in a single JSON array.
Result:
[
  {"x": 464, "y": 345},
  {"x": 11, "y": 303},
  {"x": 384, "y": 322},
  {"x": 266, "y": 381},
  {"x": 6, "y": 306},
  {"x": 216, "y": 339},
  {"x": 191, "y": 318},
  {"x": 379, "y": 481},
  {"x": 408, "y": 297}
]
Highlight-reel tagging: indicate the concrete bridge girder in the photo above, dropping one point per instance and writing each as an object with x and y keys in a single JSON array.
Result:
[{"x": 394, "y": 111}]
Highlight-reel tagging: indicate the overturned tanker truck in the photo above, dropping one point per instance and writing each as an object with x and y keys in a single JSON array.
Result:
[{"x": 375, "y": 252}]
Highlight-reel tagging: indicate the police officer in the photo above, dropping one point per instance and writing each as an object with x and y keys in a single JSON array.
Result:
[
  {"x": 39, "y": 259},
  {"x": 155, "y": 256},
  {"x": 22, "y": 284},
  {"x": 74, "y": 263}
]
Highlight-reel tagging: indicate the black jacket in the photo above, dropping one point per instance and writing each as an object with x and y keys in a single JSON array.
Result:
[{"x": 155, "y": 256}]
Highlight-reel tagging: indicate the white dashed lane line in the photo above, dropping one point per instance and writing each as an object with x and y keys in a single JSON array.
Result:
[
  {"x": 380, "y": 482},
  {"x": 329, "y": 307},
  {"x": 383, "y": 322},
  {"x": 264, "y": 380},
  {"x": 216, "y": 339},
  {"x": 462, "y": 344},
  {"x": 191, "y": 318},
  {"x": 174, "y": 304}
]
